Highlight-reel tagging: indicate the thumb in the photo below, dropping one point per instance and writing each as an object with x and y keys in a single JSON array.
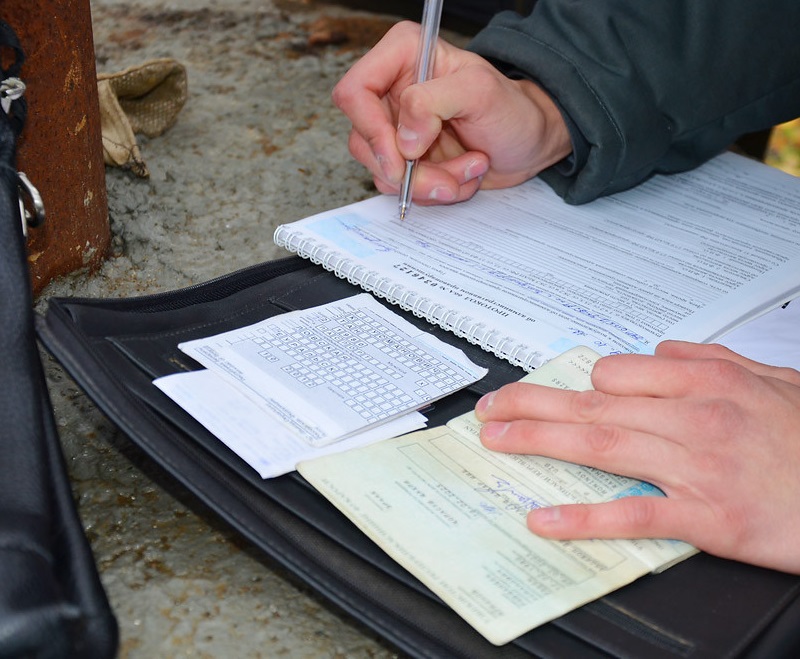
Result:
[{"x": 419, "y": 122}]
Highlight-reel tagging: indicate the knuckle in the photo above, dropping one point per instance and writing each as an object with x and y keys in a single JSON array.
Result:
[
  {"x": 403, "y": 28},
  {"x": 354, "y": 144},
  {"x": 790, "y": 375},
  {"x": 604, "y": 439},
  {"x": 727, "y": 373},
  {"x": 640, "y": 513},
  {"x": 339, "y": 94},
  {"x": 709, "y": 465},
  {"x": 589, "y": 405},
  {"x": 342, "y": 94},
  {"x": 711, "y": 350},
  {"x": 578, "y": 515},
  {"x": 415, "y": 100},
  {"x": 726, "y": 532},
  {"x": 720, "y": 418}
]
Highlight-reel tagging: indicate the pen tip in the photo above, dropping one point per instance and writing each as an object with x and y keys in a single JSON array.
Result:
[{"x": 403, "y": 212}]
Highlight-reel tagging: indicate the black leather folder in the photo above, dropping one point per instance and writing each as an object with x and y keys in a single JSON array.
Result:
[{"x": 114, "y": 348}]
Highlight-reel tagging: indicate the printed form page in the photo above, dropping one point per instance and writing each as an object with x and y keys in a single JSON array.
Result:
[
  {"x": 673, "y": 258},
  {"x": 453, "y": 514}
]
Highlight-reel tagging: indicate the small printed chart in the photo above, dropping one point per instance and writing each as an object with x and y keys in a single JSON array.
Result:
[{"x": 336, "y": 369}]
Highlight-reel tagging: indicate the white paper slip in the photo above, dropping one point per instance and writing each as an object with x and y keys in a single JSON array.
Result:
[
  {"x": 773, "y": 338},
  {"x": 336, "y": 369},
  {"x": 257, "y": 437}
]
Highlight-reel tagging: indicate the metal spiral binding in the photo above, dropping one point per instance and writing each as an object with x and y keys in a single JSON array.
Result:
[{"x": 462, "y": 326}]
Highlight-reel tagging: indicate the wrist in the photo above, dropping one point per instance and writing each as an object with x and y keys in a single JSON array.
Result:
[{"x": 556, "y": 141}]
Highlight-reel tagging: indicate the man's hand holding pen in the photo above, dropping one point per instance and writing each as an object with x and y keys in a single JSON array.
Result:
[{"x": 461, "y": 141}]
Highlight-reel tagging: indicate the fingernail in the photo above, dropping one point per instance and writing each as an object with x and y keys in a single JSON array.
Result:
[
  {"x": 475, "y": 169},
  {"x": 547, "y": 516},
  {"x": 483, "y": 405},
  {"x": 441, "y": 194},
  {"x": 408, "y": 137},
  {"x": 493, "y": 431}
]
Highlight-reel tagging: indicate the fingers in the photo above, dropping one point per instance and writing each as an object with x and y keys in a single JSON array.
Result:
[
  {"x": 453, "y": 99},
  {"x": 370, "y": 95},
  {"x": 451, "y": 180},
  {"x": 687, "y": 350},
  {"x": 668, "y": 442},
  {"x": 523, "y": 401},
  {"x": 372, "y": 141},
  {"x": 764, "y": 536},
  {"x": 660, "y": 376},
  {"x": 367, "y": 95},
  {"x": 498, "y": 136},
  {"x": 514, "y": 121},
  {"x": 698, "y": 422},
  {"x": 607, "y": 447},
  {"x": 629, "y": 517},
  {"x": 639, "y": 438},
  {"x": 691, "y": 521},
  {"x": 681, "y": 370}
]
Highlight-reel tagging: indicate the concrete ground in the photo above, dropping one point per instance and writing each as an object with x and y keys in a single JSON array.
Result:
[{"x": 257, "y": 144}]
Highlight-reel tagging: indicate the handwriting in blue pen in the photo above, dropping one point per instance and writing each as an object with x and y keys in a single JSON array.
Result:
[
  {"x": 489, "y": 509},
  {"x": 339, "y": 229},
  {"x": 336, "y": 229},
  {"x": 522, "y": 283},
  {"x": 520, "y": 502}
]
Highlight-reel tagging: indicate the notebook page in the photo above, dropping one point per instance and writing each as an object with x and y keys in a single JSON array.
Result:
[{"x": 527, "y": 276}]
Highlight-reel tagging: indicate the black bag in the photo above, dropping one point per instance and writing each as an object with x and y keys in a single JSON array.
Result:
[
  {"x": 703, "y": 607},
  {"x": 51, "y": 601}
]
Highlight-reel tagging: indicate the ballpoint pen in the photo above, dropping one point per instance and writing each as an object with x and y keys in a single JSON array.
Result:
[{"x": 431, "y": 17}]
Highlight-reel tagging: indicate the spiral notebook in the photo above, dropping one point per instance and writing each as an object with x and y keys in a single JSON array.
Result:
[{"x": 525, "y": 276}]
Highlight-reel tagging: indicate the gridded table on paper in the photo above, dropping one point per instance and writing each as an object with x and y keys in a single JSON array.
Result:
[{"x": 375, "y": 370}]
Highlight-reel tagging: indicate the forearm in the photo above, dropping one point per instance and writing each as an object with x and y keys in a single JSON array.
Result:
[{"x": 653, "y": 87}]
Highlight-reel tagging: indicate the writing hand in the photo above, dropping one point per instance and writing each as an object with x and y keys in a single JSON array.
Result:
[
  {"x": 718, "y": 433},
  {"x": 470, "y": 125}
]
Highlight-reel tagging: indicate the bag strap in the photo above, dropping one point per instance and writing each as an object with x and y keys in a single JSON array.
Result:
[
  {"x": 15, "y": 110},
  {"x": 11, "y": 86},
  {"x": 52, "y": 602}
]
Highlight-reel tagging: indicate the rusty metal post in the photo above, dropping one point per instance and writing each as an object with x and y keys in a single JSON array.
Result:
[{"x": 61, "y": 147}]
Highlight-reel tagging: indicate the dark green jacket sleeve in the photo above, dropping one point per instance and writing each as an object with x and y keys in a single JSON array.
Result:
[{"x": 653, "y": 86}]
